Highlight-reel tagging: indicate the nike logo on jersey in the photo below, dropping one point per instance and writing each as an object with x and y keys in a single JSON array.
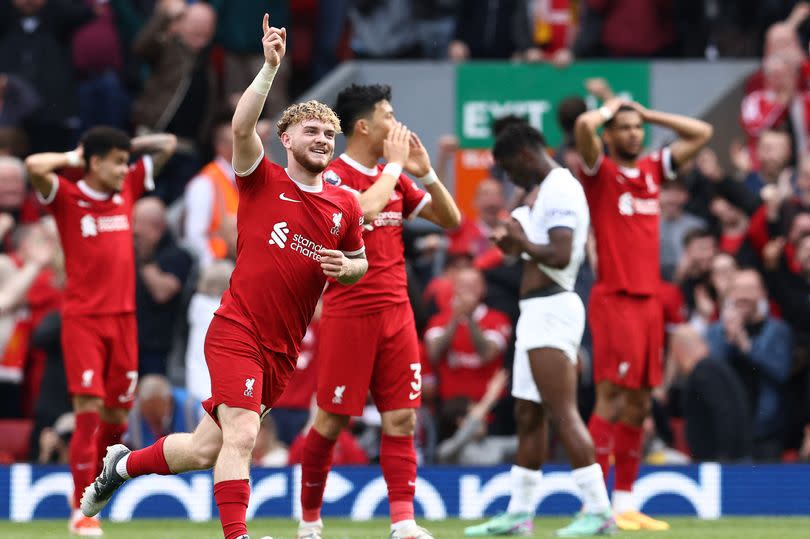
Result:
[
  {"x": 414, "y": 396},
  {"x": 282, "y": 196}
]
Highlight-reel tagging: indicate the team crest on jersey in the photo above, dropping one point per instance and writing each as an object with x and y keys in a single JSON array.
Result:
[
  {"x": 336, "y": 218},
  {"x": 249, "y": 387},
  {"x": 338, "y": 397},
  {"x": 331, "y": 177}
]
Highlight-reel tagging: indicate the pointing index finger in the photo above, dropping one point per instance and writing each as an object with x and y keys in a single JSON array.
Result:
[{"x": 266, "y": 23}]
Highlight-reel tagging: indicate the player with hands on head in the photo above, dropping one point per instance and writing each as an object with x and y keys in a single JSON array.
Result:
[
  {"x": 375, "y": 315},
  {"x": 550, "y": 237},
  {"x": 294, "y": 231},
  {"x": 625, "y": 312}
]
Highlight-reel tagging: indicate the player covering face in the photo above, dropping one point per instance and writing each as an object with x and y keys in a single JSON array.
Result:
[{"x": 294, "y": 231}]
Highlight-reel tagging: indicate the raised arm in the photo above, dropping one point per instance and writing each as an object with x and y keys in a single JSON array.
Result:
[
  {"x": 41, "y": 166},
  {"x": 442, "y": 209},
  {"x": 588, "y": 143},
  {"x": 160, "y": 146},
  {"x": 395, "y": 149},
  {"x": 692, "y": 133},
  {"x": 247, "y": 145}
]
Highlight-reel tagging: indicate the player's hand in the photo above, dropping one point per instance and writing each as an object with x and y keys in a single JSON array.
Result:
[
  {"x": 599, "y": 88},
  {"x": 334, "y": 263},
  {"x": 418, "y": 162},
  {"x": 40, "y": 253},
  {"x": 641, "y": 109},
  {"x": 772, "y": 253},
  {"x": 509, "y": 237},
  {"x": 397, "y": 145},
  {"x": 274, "y": 42},
  {"x": 6, "y": 224}
]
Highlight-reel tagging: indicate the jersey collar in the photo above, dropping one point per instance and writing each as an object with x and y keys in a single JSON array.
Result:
[
  {"x": 304, "y": 187},
  {"x": 89, "y": 192},
  {"x": 359, "y": 166}
]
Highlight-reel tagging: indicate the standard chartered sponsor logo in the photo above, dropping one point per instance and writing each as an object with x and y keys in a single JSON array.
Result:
[{"x": 280, "y": 235}]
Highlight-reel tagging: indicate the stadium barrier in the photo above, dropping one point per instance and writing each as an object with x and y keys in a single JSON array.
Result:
[{"x": 708, "y": 491}]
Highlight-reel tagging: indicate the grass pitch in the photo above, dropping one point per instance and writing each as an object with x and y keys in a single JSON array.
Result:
[{"x": 682, "y": 528}]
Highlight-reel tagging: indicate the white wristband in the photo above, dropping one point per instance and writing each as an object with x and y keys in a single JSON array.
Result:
[
  {"x": 73, "y": 158},
  {"x": 264, "y": 79},
  {"x": 606, "y": 113},
  {"x": 392, "y": 169},
  {"x": 429, "y": 178}
]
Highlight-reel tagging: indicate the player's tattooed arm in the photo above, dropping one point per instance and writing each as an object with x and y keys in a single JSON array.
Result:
[
  {"x": 160, "y": 146},
  {"x": 41, "y": 167},
  {"x": 588, "y": 143},
  {"x": 247, "y": 144},
  {"x": 693, "y": 134},
  {"x": 344, "y": 269}
]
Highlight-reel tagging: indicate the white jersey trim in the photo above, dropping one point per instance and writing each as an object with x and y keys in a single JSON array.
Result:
[
  {"x": 495, "y": 337},
  {"x": 591, "y": 171},
  {"x": 361, "y": 250},
  {"x": 666, "y": 163},
  {"x": 304, "y": 187},
  {"x": 419, "y": 207},
  {"x": 52, "y": 195},
  {"x": 89, "y": 192},
  {"x": 149, "y": 173},
  {"x": 250, "y": 170},
  {"x": 359, "y": 166}
]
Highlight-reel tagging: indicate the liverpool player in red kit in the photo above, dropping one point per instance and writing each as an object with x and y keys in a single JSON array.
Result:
[
  {"x": 294, "y": 232},
  {"x": 375, "y": 316},
  {"x": 99, "y": 335},
  {"x": 625, "y": 313}
]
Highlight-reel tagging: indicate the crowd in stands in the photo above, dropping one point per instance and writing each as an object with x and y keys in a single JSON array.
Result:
[{"x": 735, "y": 243}]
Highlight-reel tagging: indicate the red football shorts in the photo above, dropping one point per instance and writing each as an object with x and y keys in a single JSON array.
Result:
[
  {"x": 377, "y": 352},
  {"x": 101, "y": 357},
  {"x": 628, "y": 334},
  {"x": 244, "y": 374}
]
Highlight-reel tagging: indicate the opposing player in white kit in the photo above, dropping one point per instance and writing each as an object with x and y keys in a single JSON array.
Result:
[{"x": 550, "y": 236}]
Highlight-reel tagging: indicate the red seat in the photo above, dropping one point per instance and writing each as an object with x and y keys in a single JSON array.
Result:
[{"x": 15, "y": 438}]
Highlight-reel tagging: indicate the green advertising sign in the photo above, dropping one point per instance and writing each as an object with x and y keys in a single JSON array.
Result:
[{"x": 485, "y": 91}]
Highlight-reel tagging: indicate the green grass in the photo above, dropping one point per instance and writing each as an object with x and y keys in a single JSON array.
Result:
[{"x": 682, "y": 528}]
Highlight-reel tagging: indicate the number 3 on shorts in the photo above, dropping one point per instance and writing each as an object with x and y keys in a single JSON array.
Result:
[{"x": 416, "y": 385}]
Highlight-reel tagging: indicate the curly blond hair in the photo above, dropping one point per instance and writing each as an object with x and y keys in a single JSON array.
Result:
[{"x": 310, "y": 110}]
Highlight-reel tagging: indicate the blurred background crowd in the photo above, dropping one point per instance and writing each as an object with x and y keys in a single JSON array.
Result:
[{"x": 735, "y": 240}]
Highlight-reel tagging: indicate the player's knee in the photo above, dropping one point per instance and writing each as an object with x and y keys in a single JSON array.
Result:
[
  {"x": 637, "y": 407},
  {"x": 528, "y": 417},
  {"x": 330, "y": 425},
  {"x": 240, "y": 431},
  {"x": 399, "y": 422},
  {"x": 117, "y": 416},
  {"x": 205, "y": 455}
]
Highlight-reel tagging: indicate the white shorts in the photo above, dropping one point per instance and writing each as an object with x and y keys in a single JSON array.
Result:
[{"x": 556, "y": 321}]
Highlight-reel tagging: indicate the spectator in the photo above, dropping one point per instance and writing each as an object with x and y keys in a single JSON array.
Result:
[
  {"x": 733, "y": 224},
  {"x": 551, "y": 30},
  {"x": 710, "y": 296},
  {"x": 469, "y": 444},
  {"x": 236, "y": 32},
  {"x": 773, "y": 154},
  {"x": 12, "y": 191},
  {"x": 269, "y": 450},
  {"x": 700, "y": 246},
  {"x": 35, "y": 45},
  {"x": 759, "y": 348},
  {"x": 435, "y": 25},
  {"x": 568, "y": 110},
  {"x": 783, "y": 39},
  {"x": 330, "y": 24},
  {"x": 99, "y": 61},
  {"x": 790, "y": 291},
  {"x": 210, "y": 201},
  {"x": 213, "y": 283},
  {"x": 291, "y": 411},
  {"x": 784, "y": 210},
  {"x": 652, "y": 22},
  {"x": 713, "y": 400},
  {"x": 180, "y": 94},
  {"x": 488, "y": 29},
  {"x": 158, "y": 411},
  {"x": 18, "y": 100},
  {"x": 163, "y": 267},
  {"x": 675, "y": 224},
  {"x": 15, "y": 319},
  {"x": 468, "y": 341},
  {"x": 473, "y": 236}
]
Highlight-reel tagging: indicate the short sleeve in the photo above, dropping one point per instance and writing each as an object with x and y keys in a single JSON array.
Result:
[
  {"x": 559, "y": 208},
  {"x": 57, "y": 192},
  {"x": 667, "y": 166},
  {"x": 499, "y": 331},
  {"x": 435, "y": 327},
  {"x": 413, "y": 198},
  {"x": 140, "y": 177},
  {"x": 255, "y": 176},
  {"x": 352, "y": 242},
  {"x": 591, "y": 172}
]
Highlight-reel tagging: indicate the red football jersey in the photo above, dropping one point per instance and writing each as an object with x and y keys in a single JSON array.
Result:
[
  {"x": 278, "y": 277},
  {"x": 96, "y": 237},
  {"x": 624, "y": 215},
  {"x": 462, "y": 372},
  {"x": 304, "y": 381},
  {"x": 385, "y": 283}
]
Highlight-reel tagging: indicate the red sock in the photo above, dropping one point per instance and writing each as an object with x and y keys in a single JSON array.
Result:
[
  {"x": 108, "y": 434},
  {"x": 602, "y": 435},
  {"x": 628, "y": 455},
  {"x": 398, "y": 462},
  {"x": 232, "y": 501},
  {"x": 149, "y": 460},
  {"x": 83, "y": 453},
  {"x": 315, "y": 463}
]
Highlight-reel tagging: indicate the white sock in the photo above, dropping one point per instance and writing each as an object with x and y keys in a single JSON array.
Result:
[
  {"x": 314, "y": 524},
  {"x": 592, "y": 486},
  {"x": 524, "y": 486},
  {"x": 402, "y": 524},
  {"x": 623, "y": 501},
  {"x": 121, "y": 467}
]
